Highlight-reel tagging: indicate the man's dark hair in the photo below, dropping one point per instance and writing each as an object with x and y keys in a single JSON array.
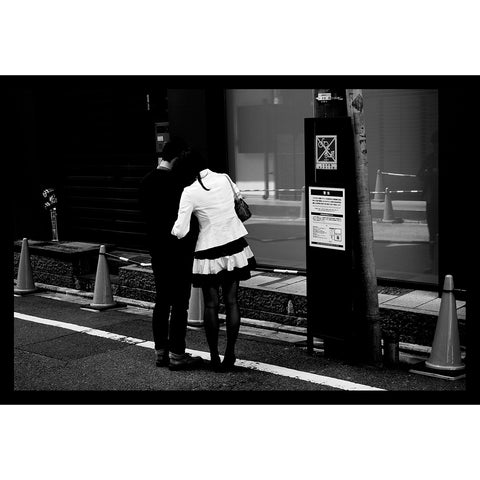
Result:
[{"x": 173, "y": 148}]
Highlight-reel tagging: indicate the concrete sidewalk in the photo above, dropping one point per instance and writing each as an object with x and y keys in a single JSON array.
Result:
[{"x": 416, "y": 301}]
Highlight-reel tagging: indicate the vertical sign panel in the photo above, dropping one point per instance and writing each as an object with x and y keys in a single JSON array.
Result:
[{"x": 331, "y": 232}]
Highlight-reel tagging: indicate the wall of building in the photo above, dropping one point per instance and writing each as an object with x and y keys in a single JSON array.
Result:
[
  {"x": 93, "y": 143},
  {"x": 198, "y": 116}
]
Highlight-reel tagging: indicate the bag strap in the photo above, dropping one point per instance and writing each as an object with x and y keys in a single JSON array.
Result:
[{"x": 231, "y": 186}]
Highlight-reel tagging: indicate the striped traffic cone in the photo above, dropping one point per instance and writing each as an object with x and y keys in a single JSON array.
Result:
[
  {"x": 102, "y": 294},
  {"x": 445, "y": 359},
  {"x": 25, "y": 283},
  {"x": 195, "y": 308},
  {"x": 379, "y": 187}
]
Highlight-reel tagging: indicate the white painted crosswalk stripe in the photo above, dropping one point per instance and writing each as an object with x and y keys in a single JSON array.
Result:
[{"x": 259, "y": 366}]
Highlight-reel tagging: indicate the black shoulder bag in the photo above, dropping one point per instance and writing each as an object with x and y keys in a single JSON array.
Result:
[{"x": 241, "y": 207}]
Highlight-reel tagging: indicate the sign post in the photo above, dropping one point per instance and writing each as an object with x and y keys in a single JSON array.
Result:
[
  {"x": 51, "y": 205},
  {"x": 331, "y": 215}
]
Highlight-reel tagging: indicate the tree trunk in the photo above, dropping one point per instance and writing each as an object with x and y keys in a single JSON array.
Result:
[{"x": 368, "y": 292}]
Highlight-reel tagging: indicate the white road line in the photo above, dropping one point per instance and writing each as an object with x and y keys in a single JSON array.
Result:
[
  {"x": 78, "y": 328},
  {"x": 307, "y": 377},
  {"x": 53, "y": 323},
  {"x": 262, "y": 367}
]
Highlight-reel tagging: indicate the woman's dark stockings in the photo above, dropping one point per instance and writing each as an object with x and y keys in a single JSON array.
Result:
[{"x": 211, "y": 300}]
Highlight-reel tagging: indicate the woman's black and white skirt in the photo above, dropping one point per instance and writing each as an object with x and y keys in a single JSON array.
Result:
[{"x": 229, "y": 262}]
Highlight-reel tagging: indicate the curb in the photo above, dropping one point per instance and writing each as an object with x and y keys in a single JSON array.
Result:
[{"x": 260, "y": 324}]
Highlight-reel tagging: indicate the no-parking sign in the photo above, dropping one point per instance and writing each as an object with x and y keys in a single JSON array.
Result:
[{"x": 326, "y": 152}]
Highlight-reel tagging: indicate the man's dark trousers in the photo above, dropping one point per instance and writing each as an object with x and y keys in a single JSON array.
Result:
[
  {"x": 172, "y": 259},
  {"x": 173, "y": 282}
]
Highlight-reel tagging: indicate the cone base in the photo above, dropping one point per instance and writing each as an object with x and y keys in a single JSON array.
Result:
[
  {"x": 195, "y": 323},
  {"x": 450, "y": 368},
  {"x": 395, "y": 220},
  {"x": 422, "y": 369},
  {"x": 107, "y": 306},
  {"x": 24, "y": 291}
]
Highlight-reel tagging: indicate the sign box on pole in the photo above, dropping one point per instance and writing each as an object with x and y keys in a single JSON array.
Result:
[{"x": 331, "y": 227}]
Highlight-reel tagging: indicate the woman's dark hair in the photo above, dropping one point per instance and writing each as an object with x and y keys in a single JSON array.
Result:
[{"x": 189, "y": 166}]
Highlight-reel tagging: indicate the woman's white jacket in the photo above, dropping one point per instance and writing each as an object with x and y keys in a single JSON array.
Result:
[{"x": 214, "y": 208}]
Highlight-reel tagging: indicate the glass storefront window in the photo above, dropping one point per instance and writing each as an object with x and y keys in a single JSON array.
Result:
[
  {"x": 266, "y": 158},
  {"x": 266, "y": 155},
  {"x": 402, "y": 144}
]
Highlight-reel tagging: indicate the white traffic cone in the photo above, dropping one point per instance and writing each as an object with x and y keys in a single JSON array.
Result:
[
  {"x": 445, "y": 354},
  {"x": 379, "y": 187},
  {"x": 445, "y": 359},
  {"x": 102, "y": 294},
  {"x": 195, "y": 308},
  {"x": 388, "y": 213},
  {"x": 25, "y": 283}
]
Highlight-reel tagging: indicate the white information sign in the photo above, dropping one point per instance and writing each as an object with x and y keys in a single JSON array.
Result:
[{"x": 327, "y": 217}]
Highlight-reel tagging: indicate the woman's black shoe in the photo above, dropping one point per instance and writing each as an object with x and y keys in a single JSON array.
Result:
[
  {"x": 228, "y": 363},
  {"x": 215, "y": 364}
]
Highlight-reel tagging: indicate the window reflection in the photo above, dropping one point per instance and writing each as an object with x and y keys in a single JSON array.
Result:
[
  {"x": 266, "y": 145},
  {"x": 266, "y": 157},
  {"x": 402, "y": 143}
]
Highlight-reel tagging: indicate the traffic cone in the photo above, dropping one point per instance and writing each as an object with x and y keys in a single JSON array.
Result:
[
  {"x": 445, "y": 359},
  {"x": 195, "y": 308},
  {"x": 379, "y": 187},
  {"x": 102, "y": 294},
  {"x": 388, "y": 213},
  {"x": 445, "y": 353},
  {"x": 25, "y": 283}
]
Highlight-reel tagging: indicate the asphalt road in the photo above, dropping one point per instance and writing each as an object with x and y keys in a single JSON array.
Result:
[{"x": 57, "y": 358}]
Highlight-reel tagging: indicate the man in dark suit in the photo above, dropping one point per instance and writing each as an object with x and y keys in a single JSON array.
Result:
[{"x": 172, "y": 259}]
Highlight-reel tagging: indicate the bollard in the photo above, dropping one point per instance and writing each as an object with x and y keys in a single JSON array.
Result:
[
  {"x": 53, "y": 219},
  {"x": 391, "y": 348}
]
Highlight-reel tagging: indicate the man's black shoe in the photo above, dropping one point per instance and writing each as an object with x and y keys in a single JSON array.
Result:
[
  {"x": 184, "y": 361},
  {"x": 162, "y": 358}
]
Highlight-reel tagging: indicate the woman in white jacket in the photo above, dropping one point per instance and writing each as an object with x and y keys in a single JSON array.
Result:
[{"x": 222, "y": 255}]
